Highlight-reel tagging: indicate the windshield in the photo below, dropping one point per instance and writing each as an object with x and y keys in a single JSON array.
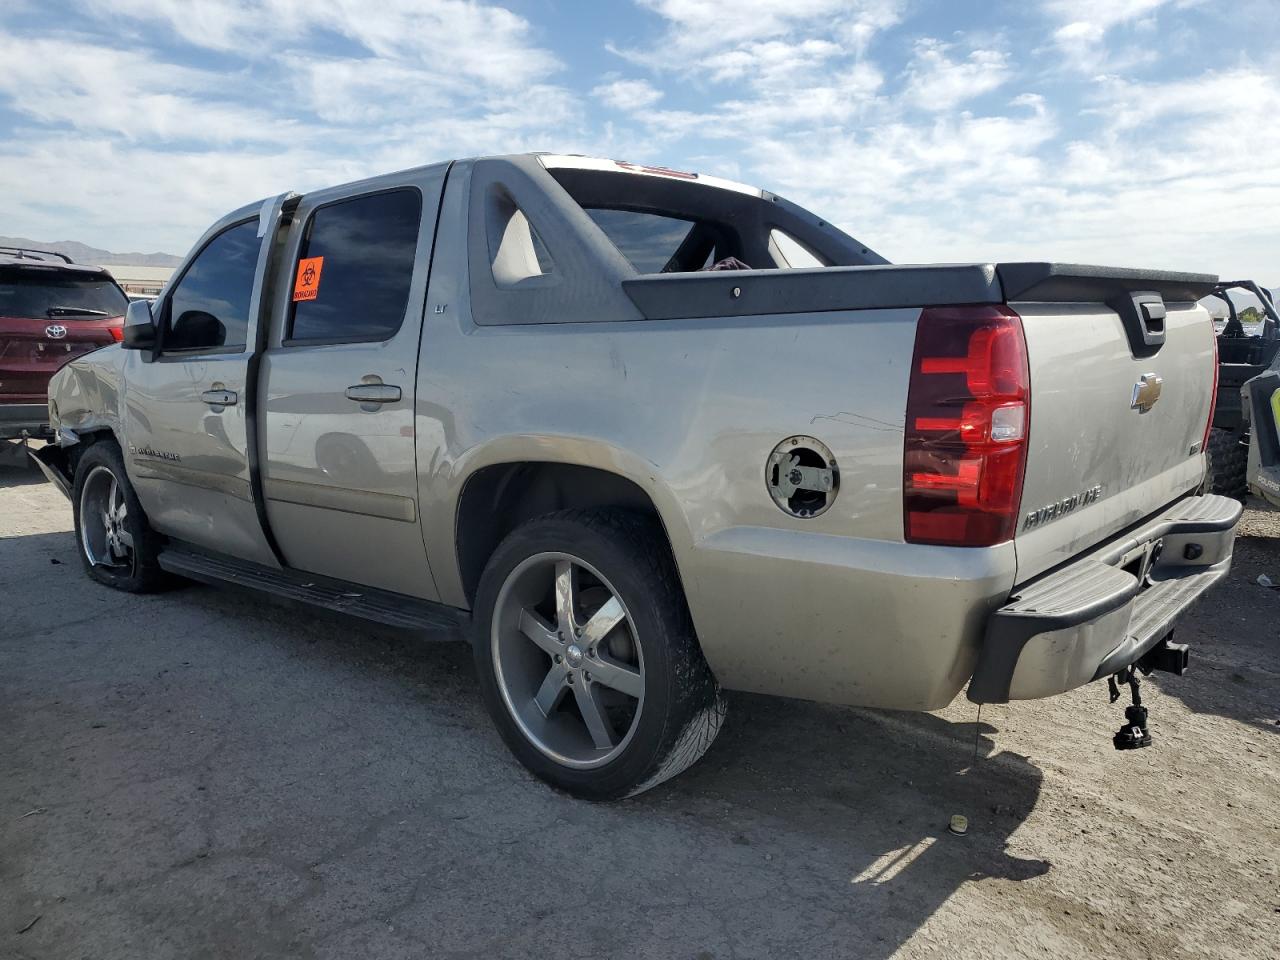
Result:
[{"x": 40, "y": 294}]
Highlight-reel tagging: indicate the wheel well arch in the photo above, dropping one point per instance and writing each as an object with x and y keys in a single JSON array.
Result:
[
  {"x": 71, "y": 455},
  {"x": 498, "y": 498},
  {"x": 97, "y": 435}
]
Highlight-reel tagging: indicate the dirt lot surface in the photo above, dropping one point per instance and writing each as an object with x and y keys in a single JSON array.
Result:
[{"x": 206, "y": 774}]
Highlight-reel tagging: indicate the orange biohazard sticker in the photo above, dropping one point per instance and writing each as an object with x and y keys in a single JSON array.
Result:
[{"x": 307, "y": 284}]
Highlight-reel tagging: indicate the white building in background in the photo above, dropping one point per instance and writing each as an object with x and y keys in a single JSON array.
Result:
[{"x": 140, "y": 281}]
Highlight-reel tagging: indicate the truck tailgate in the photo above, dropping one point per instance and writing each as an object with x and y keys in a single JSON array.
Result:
[{"x": 1104, "y": 450}]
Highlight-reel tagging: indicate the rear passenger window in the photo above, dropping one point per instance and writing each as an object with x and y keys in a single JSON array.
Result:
[
  {"x": 210, "y": 305},
  {"x": 352, "y": 278}
]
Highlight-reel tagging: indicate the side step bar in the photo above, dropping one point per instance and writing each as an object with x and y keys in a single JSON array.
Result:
[{"x": 377, "y": 606}]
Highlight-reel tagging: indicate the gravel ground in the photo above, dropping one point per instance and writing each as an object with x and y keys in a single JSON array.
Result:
[{"x": 207, "y": 774}]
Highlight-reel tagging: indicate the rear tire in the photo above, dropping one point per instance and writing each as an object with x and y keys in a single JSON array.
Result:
[
  {"x": 117, "y": 546},
  {"x": 1228, "y": 464},
  {"x": 587, "y": 656}
]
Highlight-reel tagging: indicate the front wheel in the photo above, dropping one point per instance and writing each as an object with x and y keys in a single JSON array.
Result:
[
  {"x": 587, "y": 656},
  {"x": 117, "y": 545}
]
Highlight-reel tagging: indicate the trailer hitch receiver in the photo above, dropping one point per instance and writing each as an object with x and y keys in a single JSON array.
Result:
[{"x": 1167, "y": 657}]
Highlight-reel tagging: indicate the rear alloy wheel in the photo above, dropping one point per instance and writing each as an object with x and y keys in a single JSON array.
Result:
[
  {"x": 560, "y": 633},
  {"x": 587, "y": 656},
  {"x": 117, "y": 546}
]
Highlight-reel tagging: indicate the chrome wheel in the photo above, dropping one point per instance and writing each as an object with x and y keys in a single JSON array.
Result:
[
  {"x": 103, "y": 536},
  {"x": 568, "y": 663}
]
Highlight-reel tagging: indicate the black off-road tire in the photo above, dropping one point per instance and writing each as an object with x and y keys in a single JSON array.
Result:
[
  {"x": 143, "y": 573},
  {"x": 683, "y": 707},
  {"x": 1228, "y": 464}
]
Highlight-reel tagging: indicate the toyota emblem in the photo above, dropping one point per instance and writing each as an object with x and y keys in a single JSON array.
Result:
[{"x": 55, "y": 331}]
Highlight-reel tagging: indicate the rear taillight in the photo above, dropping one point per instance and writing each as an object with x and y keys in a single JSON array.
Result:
[
  {"x": 117, "y": 333},
  {"x": 1213, "y": 395},
  {"x": 968, "y": 407}
]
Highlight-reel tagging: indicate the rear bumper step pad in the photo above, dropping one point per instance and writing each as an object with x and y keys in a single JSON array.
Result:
[{"x": 1094, "y": 617}]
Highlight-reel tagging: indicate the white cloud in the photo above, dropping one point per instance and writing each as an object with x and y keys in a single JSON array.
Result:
[
  {"x": 1151, "y": 173},
  {"x": 710, "y": 24},
  {"x": 902, "y": 142},
  {"x": 1082, "y": 16},
  {"x": 762, "y": 41},
  {"x": 627, "y": 95},
  {"x": 479, "y": 41},
  {"x": 1170, "y": 175},
  {"x": 213, "y": 24},
  {"x": 135, "y": 196},
  {"x": 786, "y": 66},
  {"x": 770, "y": 64},
  {"x": 126, "y": 130},
  {"x": 935, "y": 81},
  {"x": 98, "y": 88},
  {"x": 869, "y": 178},
  {"x": 1083, "y": 25},
  {"x": 839, "y": 99}
]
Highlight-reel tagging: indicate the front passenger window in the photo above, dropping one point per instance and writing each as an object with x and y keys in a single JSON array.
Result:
[{"x": 209, "y": 308}]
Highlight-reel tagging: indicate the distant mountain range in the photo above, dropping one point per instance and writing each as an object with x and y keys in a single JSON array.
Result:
[{"x": 83, "y": 253}]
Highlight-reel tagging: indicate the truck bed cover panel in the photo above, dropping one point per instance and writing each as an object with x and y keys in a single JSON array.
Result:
[
  {"x": 1083, "y": 283},
  {"x": 744, "y": 293}
]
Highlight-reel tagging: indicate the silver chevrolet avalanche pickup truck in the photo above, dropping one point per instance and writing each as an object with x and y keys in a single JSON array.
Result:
[{"x": 651, "y": 434}]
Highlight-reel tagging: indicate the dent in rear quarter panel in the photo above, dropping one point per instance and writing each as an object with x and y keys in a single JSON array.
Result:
[{"x": 1084, "y": 433}]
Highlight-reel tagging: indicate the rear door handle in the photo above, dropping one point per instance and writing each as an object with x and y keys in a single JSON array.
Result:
[
  {"x": 220, "y": 398},
  {"x": 373, "y": 393}
]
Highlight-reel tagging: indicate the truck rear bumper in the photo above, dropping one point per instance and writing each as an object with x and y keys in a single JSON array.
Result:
[
  {"x": 24, "y": 420},
  {"x": 1096, "y": 615}
]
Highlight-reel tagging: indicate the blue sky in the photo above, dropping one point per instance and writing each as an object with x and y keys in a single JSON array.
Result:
[{"x": 1138, "y": 132}]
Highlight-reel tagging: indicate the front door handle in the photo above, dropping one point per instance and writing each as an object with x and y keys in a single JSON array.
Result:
[
  {"x": 373, "y": 393},
  {"x": 220, "y": 398}
]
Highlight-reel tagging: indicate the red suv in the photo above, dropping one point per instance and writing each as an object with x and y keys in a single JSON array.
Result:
[{"x": 51, "y": 311}]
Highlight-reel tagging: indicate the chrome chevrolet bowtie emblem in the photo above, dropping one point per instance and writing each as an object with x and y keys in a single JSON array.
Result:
[
  {"x": 55, "y": 331},
  {"x": 1146, "y": 392}
]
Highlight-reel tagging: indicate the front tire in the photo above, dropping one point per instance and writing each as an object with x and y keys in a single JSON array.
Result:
[
  {"x": 587, "y": 656},
  {"x": 117, "y": 545}
]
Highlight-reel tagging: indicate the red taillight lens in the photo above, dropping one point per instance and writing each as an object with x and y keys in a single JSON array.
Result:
[
  {"x": 117, "y": 333},
  {"x": 968, "y": 408}
]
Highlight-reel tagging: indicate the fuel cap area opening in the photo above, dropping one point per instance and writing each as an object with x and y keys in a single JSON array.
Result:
[{"x": 802, "y": 477}]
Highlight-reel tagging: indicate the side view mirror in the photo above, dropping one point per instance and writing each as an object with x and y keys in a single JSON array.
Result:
[{"x": 139, "y": 326}]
